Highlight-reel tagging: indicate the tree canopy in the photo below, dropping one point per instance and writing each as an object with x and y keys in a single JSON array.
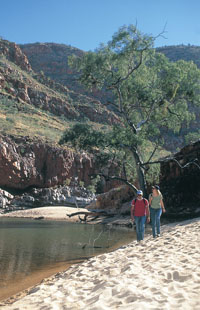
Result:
[{"x": 149, "y": 94}]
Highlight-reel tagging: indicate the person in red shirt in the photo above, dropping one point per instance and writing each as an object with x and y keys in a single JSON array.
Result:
[{"x": 139, "y": 214}]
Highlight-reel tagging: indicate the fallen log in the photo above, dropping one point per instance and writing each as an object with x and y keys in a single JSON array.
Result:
[{"x": 86, "y": 214}]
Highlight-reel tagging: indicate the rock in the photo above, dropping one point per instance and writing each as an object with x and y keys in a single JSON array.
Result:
[
  {"x": 25, "y": 163},
  {"x": 13, "y": 52},
  {"x": 29, "y": 163},
  {"x": 181, "y": 186},
  {"x": 117, "y": 200},
  {"x": 44, "y": 93},
  {"x": 5, "y": 199},
  {"x": 65, "y": 196}
]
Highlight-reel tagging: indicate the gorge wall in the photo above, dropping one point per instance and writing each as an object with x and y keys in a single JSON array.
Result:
[
  {"x": 19, "y": 82},
  {"x": 25, "y": 163},
  {"x": 180, "y": 183}
]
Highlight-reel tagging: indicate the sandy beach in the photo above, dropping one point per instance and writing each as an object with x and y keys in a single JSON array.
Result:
[
  {"x": 161, "y": 273},
  {"x": 49, "y": 213}
]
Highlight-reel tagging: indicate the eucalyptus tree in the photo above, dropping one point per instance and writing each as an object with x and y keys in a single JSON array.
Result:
[{"x": 148, "y": 93}]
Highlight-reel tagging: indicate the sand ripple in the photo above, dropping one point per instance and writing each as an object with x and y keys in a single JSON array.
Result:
[{"x": 162, "y": 273}]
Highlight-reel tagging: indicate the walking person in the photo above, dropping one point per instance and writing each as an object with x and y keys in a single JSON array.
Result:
[
  {"x": 156, "y": 208},
  {"x": 139, "y": 214}
]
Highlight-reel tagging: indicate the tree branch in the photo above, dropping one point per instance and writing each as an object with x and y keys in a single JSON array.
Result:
[
  {"x": 156, "y": 147},
  {"x": 130, "y": 71},
  {"x": 173, "y": 113},
  {"x": 108, "y": 178},
  {"x": 193, "y": 162}
]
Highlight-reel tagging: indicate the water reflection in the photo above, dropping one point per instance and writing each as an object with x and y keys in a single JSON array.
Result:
[{"x": 27, "y": 246}]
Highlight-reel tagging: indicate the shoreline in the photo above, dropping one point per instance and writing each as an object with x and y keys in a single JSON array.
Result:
[
  {"x": 57, "y": 213},
  {"x": 20, "y": 288},
  {"x": 47, "y": 213},
  {"x": 161, "y": 273},
  {"x": 60, "y": 213}
]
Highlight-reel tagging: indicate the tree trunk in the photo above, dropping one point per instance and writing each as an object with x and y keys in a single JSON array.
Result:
[{"x": 140, "y": 173}]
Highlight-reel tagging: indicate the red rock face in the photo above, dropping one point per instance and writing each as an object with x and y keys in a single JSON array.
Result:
[
  {"x": 70, "y": 104},
  {"x": 181, "y": 185},
  {"x": 14, "y": 54},
  {"x": 52, "y": 59},
  {"x": 24, "y": 163}
]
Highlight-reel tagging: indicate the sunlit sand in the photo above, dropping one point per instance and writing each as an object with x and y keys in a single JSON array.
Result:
[{"x": 161, "y": 273}]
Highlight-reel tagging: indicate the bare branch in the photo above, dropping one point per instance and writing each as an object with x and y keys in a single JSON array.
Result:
[
  {"x": 186, "y": 165},
  {"x": 97, "y": 237},
  {"x": 161, "y": 33},
  {"x": 193, "y": 162},
  {"x": 130, "y": 71},
  {"x": 152, "y": 154},
  {"x": 108, "y": 178}
]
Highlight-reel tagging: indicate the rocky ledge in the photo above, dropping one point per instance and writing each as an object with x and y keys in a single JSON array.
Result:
[{"x": 62, "y": 195}]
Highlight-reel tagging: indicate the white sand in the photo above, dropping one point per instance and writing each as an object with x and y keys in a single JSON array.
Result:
[
  {"x": 162, "y": 273},
  {"x": 50, "y": 213}
]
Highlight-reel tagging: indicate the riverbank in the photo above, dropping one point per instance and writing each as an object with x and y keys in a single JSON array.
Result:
[
  {"x": 47, "y": 213},
  {"x": 63, "y": 213},
  {"x": 161, "y": 273}
]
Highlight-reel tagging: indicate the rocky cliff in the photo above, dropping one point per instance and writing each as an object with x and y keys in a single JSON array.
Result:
[
  {"x": 27, "y": 166},
  {"x": 180, "y": 183},
  {"x": 21, "y": 83},
  {"x": 52, "y": 60},
  {"x": 25, "y": 163},
  {"x": 40, "y": 174},
  {"x": 13, "y": 53}
]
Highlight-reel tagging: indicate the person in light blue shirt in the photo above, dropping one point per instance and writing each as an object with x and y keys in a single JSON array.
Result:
[{"x": 156, "y": 209}]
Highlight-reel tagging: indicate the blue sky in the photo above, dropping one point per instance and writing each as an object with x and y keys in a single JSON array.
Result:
[{"x": 87, "y": 23}]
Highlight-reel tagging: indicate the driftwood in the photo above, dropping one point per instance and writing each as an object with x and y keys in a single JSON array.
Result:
[
  {"x": 39, "y": 218},
  {"x": 86, "y": 214}
]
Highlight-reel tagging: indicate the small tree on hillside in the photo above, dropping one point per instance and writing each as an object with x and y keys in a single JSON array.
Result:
[{"x": 150, "y": 94}]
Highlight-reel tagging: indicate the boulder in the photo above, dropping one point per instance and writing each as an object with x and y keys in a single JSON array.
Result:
[
  {"x": 5, "y": 199},
  {"x": 117, "y": 200}
]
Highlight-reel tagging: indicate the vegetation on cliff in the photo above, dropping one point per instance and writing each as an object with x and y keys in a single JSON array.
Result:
[
  {"x": 184, "y": 52},
  {"x": 40, "y": 96},
  {"x": 151, "y": 95}
]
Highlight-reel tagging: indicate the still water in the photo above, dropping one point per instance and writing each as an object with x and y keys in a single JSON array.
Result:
[{"x": 28, "y": 248}]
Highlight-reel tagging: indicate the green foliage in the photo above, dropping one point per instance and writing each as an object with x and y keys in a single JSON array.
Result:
[
  {"x": 153, "y": 173},
  {"x": 23, "y": 119},
  {"x": 150, "y": 94},
  {"x": 192, "y": 137},
  {"x": 95, "y": 186},
  {"x": 81, "y": 183},
  {"x": 83, "y": 137},
  {"x": 67, "y": 182}
]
